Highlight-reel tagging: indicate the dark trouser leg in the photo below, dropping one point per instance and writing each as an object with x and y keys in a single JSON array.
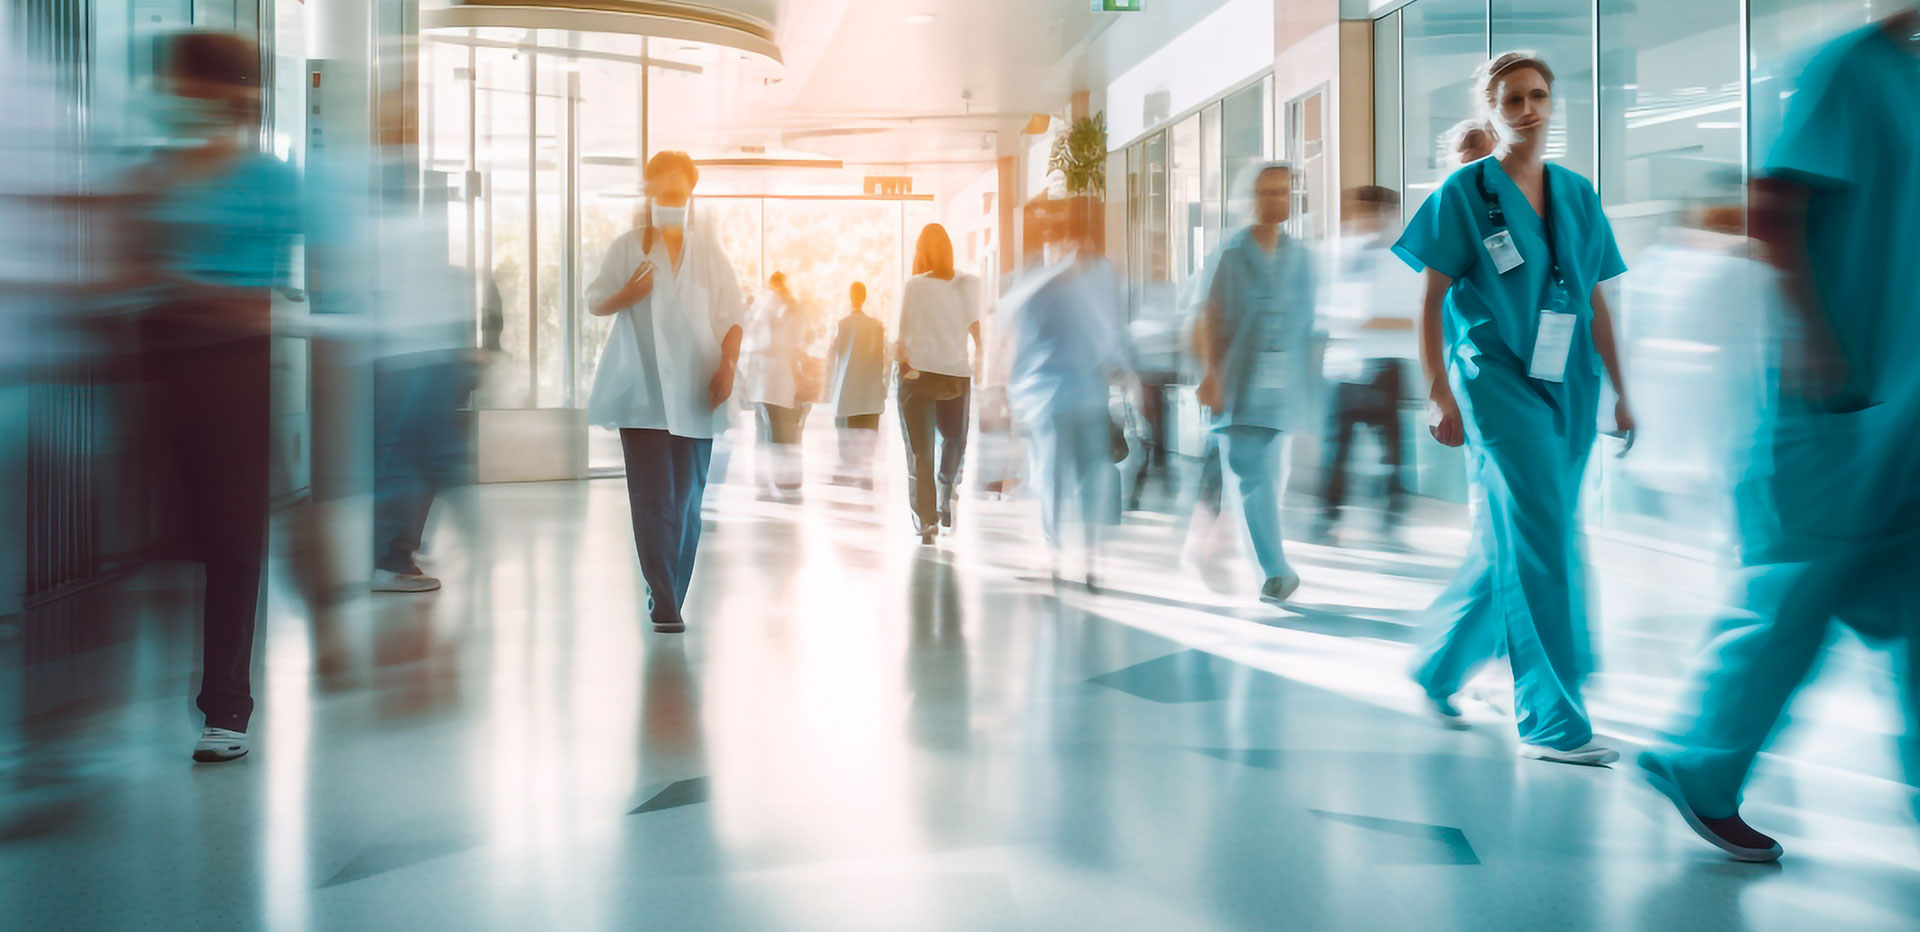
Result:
[
  {"x": 399, "y": 489},
  {"x": 1333, "y": 466},
  {"x": 916, "y": 427},
  {"x": 1388, "y": 379},
  {"x": 214, "y": 406},
  {"x": 657, "y": 495},
  {"x": 691, "y": 458},
  {"x": 950, "y": 417}
]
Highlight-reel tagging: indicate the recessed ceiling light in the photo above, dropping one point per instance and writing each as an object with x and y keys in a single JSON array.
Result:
[
  {"x": 921, "y": 19},
  {"x": 689, "y": 48}
]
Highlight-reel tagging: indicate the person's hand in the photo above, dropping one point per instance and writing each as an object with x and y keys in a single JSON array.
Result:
[
  {"x": 1623, "y": 425},
  {"x": 1209, "y": 390},
  {"x": 720, "y": 387},
  {"x": 639, "y": 285},
  {"x": 1443, "y": 420}
]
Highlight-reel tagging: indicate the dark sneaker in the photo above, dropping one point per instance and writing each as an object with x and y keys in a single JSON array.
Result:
[
  {"x": 669, "y": 627},
  {"x": 1277, "y": 590},
  {"x": 1732, "y": 834}
]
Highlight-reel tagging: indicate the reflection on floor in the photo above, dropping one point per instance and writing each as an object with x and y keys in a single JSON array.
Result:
[{"x": 861, "y": 733}]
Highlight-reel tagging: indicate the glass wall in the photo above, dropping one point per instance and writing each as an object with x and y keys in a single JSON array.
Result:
[{"x": 1442, "y": 41}]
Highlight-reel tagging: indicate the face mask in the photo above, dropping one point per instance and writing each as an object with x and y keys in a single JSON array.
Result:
[
  {"x": 670, "y": 217},
  {"x": 193, "y": 118}
]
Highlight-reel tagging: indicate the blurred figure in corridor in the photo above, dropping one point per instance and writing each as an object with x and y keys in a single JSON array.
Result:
[
  {"x": 217, "y": 223},
  {"x": 426, "y": 366},
  {"x": 1066, "y": 353},
  {"x": 1254, "y": 333},
  {"x": 1375, "y": 300},
  {"x": 1829, "y": 508},
  {"x": 939, "y": 313},
  {"x": 775, "y": 352},
  {"x": 667, "y": 368},
  {"x": 858, "y": 367},
  {"x": 1469, "y": 141}
]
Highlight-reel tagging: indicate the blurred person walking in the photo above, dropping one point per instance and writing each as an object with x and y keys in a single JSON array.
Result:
[
  {"x": 1373, "y": 345},
  {"x": 218, "y": 220},
  {"x": 1254, "y": 332},
  {"x": 426, "y": 366},
  {"x": 668, "y": 365},
  {"x": 859, "y": 372},
  {"x": 1066, "y": 353},
  {"x": 1829, "y": 507},
  {"x": 775, "y": 353},
  {"x": 1469, "y": 141},
  {"x": 939, "y": 312},
  {"x": 1514, "y": 332}
]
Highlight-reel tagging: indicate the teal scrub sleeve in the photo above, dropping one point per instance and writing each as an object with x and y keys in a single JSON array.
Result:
[
  {"x": 1611, "y": 264},
  {"x": 1813, "y": 147},
  {"x": 1442, "y": 234}
]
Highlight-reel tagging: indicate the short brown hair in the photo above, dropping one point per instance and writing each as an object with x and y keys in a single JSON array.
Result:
[
  {"x": 672, "y": 161},
  {"x": 216, "y": 57}
]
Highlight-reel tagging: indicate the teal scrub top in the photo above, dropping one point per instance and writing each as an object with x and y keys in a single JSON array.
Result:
[
  {"x": 1266, "y": 303},
  {"x": 1844, "y": 468},
  {"x": 233, "y": 229},
  {"x": 1495, "y": 316},
  {"x": 1852, "y": 137}
]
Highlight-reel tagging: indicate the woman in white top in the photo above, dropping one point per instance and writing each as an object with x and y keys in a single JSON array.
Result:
[
  {"x": 858, "y": 367},
  {"x": 939, "y": 312},
  {"x": 667, "y": 367},
  {"x": 774, "y": 358}
]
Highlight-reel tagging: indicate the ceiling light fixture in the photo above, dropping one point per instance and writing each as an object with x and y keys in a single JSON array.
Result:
[{"x": 921, "y": 19}]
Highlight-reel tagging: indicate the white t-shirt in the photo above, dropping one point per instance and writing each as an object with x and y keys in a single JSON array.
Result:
[{"x": 934, "y": 316}]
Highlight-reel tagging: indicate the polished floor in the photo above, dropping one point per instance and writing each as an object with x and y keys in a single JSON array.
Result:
[{"x": 861, "y": 733}]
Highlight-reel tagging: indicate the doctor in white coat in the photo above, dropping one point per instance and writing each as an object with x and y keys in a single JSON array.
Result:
[{"x": 667, "y": 367}]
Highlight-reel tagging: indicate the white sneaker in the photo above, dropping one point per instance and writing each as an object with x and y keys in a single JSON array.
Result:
[
  {"x": 219, "y": 744},
  {"x": 387, "y": 581},
  {"x": 1589, "y": 754}
]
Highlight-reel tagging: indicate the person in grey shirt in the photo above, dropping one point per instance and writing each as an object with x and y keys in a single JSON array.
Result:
[{"x": 859, "y": 361}]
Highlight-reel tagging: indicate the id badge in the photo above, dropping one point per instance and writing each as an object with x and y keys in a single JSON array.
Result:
[
  {"x": 1552, "y": 345},
  {"x": 1506, "y": 256},
  {"x": 1270, "y": 371}
]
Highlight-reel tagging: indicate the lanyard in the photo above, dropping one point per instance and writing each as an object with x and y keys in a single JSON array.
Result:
[{"x": 1498, "y": 217}]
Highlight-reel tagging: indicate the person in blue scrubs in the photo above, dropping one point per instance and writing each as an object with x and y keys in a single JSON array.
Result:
[
  {"x": 1514, "y": 334},
  {"x": 1255, "y": 326},
  {"x": 1829, "y": 506}
]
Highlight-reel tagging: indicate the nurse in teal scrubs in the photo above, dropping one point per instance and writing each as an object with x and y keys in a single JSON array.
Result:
[
  {"x": 1514, "y": 335},
  {"x": 1829, "y": 508}
]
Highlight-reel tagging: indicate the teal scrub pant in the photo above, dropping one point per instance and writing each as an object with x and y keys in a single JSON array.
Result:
[
  {"x": 1253, "y": 461},
  {"x": 1764, "y": 649},
  {"x": 1521, "y": 590},
  {"x": 1073, "y": 463}
]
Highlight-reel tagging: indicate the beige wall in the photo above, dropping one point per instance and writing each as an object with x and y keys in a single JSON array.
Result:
[{"x": 1314, "y": 47}]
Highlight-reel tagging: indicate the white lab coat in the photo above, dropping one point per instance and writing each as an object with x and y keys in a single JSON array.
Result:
[
  {"x": 662, "y": 351},
  {"x": 773, "y": 347}
]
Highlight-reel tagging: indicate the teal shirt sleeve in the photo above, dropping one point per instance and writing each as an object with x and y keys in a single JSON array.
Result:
[
  {"x": 1442, "y": 234},
  {"x": 1815, "y": 143}
]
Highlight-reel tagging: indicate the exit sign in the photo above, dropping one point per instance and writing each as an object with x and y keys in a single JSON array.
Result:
[{"x": 1118, "y": 6}]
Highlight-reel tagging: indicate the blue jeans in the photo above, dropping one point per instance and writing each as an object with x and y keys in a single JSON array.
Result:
[
  {"x": 420, "y": 447},
  {"x": 666, "y": 481},
  {"x": 1252, "y": 457}
]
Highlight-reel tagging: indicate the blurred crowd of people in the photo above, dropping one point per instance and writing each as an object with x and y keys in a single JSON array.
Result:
[{"x": 1488, "y": 309}]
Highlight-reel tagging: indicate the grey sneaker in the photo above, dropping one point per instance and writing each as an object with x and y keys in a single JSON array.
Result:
[
  {"x": 1277, "y": 590},
  {"x": 389, "y": 581}
]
